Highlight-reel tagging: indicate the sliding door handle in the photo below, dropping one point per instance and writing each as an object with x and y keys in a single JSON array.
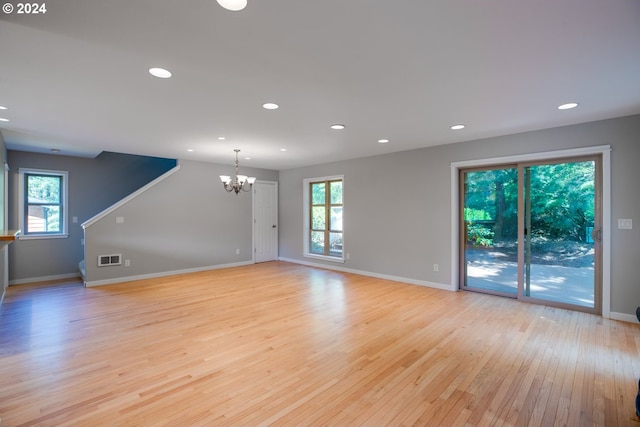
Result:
[{"x": 596, "y": 234}]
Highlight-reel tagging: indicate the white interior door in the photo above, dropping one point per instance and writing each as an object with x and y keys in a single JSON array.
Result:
[{"x": 265, "y": 221}]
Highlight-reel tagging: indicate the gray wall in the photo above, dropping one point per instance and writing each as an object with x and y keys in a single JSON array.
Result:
[
  {"x": 94, "y": 184},
  {"x": 398, "y": 206},
  {"x": 185, "y": 222}
]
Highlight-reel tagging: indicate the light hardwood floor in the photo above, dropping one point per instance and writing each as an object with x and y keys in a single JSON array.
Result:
[{"x": 283, "y": 344}]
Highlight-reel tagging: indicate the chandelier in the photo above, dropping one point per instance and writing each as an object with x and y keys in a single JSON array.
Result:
[{"x": 239, "y": 182}]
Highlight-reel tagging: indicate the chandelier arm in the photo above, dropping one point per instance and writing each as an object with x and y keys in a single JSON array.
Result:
[{"x": 227, "y": 187}]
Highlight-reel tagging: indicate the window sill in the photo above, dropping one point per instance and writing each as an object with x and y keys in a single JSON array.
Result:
[
  {"x": 41, "y": 236},
  {"x": 324, "y": 257}
]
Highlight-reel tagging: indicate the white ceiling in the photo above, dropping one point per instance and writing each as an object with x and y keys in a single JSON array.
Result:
[{"x": 75, "y": 78}]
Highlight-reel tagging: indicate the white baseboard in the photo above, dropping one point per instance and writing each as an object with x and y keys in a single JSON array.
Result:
[
  {"x": 631, "y": 318},
  {"x": 44, "y": 278},
  {"x": 441, "y": 286},
  {"x": 89, "y": 284}
]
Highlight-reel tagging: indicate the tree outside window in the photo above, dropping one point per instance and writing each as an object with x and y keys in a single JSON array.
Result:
[
  {"x": 43, "y": 195},
  {"x": 325, "y": 235}
]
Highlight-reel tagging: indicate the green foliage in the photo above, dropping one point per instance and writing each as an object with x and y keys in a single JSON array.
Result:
[
  {"x": 317, "y": 242},
  {"x": 336, "y": 192},
  {"x": 471, "y": 214},
  {"x": 318, "y": 220},
  {"x": 479, "y": 235},
  {"x": 562, "y": 202},
  {"x": 43, "y": 188},
  {"x": 44, "y": 197},
  {"x": 318, "y": 195},
  {"x": 325, "y": 217},
  {"x": 494, "y": 192}
]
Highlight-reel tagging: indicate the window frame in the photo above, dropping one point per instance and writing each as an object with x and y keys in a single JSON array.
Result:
[
  {"x": 307, "y": 207},
  {"x": 23, "y": 203}
]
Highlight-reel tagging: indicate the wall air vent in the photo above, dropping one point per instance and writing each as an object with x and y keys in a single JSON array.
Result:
[{"x": 106, "y": 260}]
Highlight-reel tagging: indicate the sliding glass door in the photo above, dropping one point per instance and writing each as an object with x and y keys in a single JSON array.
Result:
[
  {"x": 490, "y": 230},
  {"x": 562, "y": 232},
  {"x": 532, "y": 231}
]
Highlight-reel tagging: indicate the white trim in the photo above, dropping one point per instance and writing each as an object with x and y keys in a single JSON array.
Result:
[
  {"x": 532, "y": 157},
  {"x": 623, "y": 317},
  {"x": 44, "y": 278},
  {"x": 163, "y": 274},
  {"x": 42, "y": 171},
  {"x": 370, "y": 274},
  {"x": 604, "y": 150},
  {"x": 455, "y": 233},
  {"x": 5, "y": 250},
  {"x": 606, "y": 231},
  {"x": 41, "y": 236},
  {"x": 130, "y": 197},
  {"x": 305, "y": 218},
  {"x": 325, "y": 257},
  {"x": 64, "y": 233}
]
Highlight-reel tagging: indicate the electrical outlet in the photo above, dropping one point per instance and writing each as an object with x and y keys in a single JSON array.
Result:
[
  {"x": 119, "y": 220},
  {"x": 127, "y": 263},
  {"x": 435, "y": 267},
  {"x": 237, "y": 251},
  {"x": 625, "y": 224}
]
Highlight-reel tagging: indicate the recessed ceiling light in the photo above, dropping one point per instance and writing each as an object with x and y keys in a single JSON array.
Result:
[
  {"x": 270, "y": 106},
  {"x": 247, "y": 158},
  {"x": 383, "y": 141},
  {"x": 190, "y": 150},
  {"x": 457, "y": 127},
  {"x": 2, "y": 119},
  {"x": 338, "y": 126},
  {"x": 222, "y": 138},
  {"x": 160, "y": 73},
  {"x": 568, "y": 106},
  {"x": 2, "y": 107},
  {"x": 233, "y": 5},
  {"x": 283, "y": 149}
]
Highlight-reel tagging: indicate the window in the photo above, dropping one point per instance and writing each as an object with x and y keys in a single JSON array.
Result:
[
  {"x": 323, "y": 218},
  {"x": 43, "y": 203}
]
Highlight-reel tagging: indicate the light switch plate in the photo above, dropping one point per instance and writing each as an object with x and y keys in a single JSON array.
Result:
[{"x": 625, "y": 224}]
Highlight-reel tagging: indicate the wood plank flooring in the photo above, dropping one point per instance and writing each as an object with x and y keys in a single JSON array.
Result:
[{"x": 288, "y": 345}]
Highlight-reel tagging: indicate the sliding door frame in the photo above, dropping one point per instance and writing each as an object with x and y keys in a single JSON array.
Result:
[
  {"x": 598, "y": 225},
  {"x": 604, "y": 151},
  {"x": 462, "y": 239}
]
